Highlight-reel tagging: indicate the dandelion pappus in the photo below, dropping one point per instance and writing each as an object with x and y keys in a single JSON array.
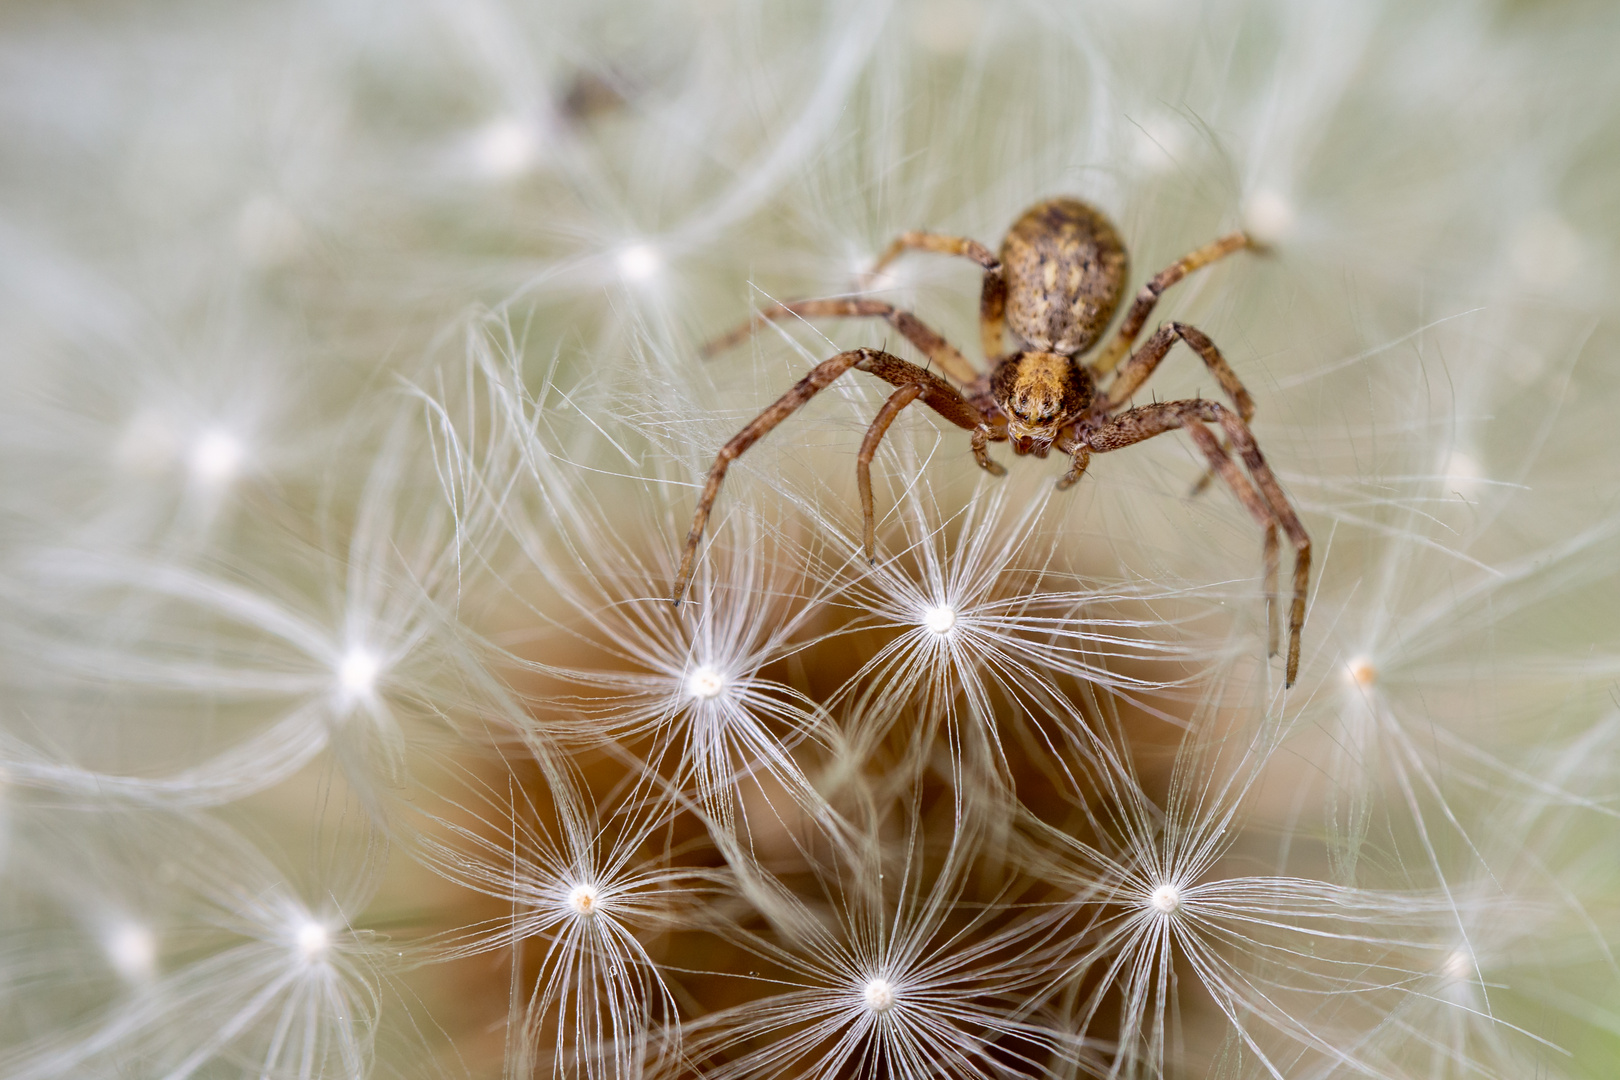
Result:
[{"x": 1056, "y": 286}]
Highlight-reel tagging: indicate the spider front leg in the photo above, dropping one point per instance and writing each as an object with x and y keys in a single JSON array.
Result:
[
  {"x": 1079, "y": 457},
  {"x": 1146, "y": 360},
  {"x": 982, "y": 436},
  {"x": 993, "y": 295},
  {"x": 939, "y": 243},
  {"x": 932, "y": 390},
  {"x": 1264, "y": 498},
  {"x": 928, "y": 341}
]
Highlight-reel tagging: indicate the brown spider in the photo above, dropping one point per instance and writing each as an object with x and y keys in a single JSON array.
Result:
[{"x": 1056, "y": 286}]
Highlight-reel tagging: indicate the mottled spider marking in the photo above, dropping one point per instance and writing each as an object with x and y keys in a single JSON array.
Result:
[{"x": 1065, "y": 268}]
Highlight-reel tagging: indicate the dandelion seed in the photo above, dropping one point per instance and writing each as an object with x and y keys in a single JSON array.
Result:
[
  {"x": 1463, "y": 474},
  {"x": 939, "y": 619},
  {"x": 584, "y": 900},
  {"x": 1459, "y": 966},
  {"x": 583, "y": 890},
  {"x": 639, "y": 262},
  {"x": 506, "y": 148},
  {"x": 1268, "y": 216},
  {"x": 311, "y": 940},
  {"x": 132, "y": 951},
  {"x": 705, "y": 683},
  {"x": 1361, "y": 672},
  {"x": 855, "y": 957},
  {"x": 357, "y": 674},
  {"x": 215, "y": 457},
  {"x": 879, "y": 995},
  {"x": 1166, "y": 899}
]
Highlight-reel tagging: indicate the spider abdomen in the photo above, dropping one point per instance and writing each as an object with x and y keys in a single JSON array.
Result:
[{"x": 1065, "y": 268}]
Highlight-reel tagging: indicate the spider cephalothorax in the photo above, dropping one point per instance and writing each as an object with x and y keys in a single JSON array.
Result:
[
  {"x": 1039, "y": 394},
  {"x": 1056, "y": 287}
]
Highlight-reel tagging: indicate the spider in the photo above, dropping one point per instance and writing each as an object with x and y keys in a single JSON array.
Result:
[{"x": 1059, "y": 279}]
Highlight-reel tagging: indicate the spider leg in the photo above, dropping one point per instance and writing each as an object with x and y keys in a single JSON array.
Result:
[
  {"x": 938, "y": 243},
  {"x": 1146, "y": 360},
  {"x": 1153, "y": 351},
  {"x": 992, "y": 314},
  {"x": 928, "y": 341},
  {"x": 981, "y": 454},
  {"x": 993, "y": 296},
  {"x": 820, "y": 377},
  {"x": 1263, "y": 498},
  {"x": 1221, "y": 464},
  {"x": 863, "y": 462},
  {"x": 1142, "y": 306},
  {"x": 1079, "y": 457},
  {"x": 1242, "y": 440},
  {"x": 933, "y": 391}
]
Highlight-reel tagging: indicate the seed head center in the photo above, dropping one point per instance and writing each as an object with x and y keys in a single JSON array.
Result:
[
  {"x": 939, "y": 619},
  {"x": 638, "y": 262},
  {"x": 1362, "y": 672},
  {"x": 705, "y": 683},
  {"x": 583, "y": 900},
  {"x": 358, "y": 673},
  {"x": 1165, "y": 899},
  {"x": 215, "y": 456},
  {"x": 879, "y": 995},
  {"x": 312, "y": 940}
]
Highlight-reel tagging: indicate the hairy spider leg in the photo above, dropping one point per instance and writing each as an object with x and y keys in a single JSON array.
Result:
[
  {"x": 992, "y": 297},
  {"x": 1140, "y": 366},
  {"x": 928, "y": 342},
  {"x": 1079, "y": 458},
  {"x": 863, "y": 461},
  {"x": 1267, "y": 505},
  {"x": 932, "y": 390},
  {"x": 939, "y": 244},
  {"x": 1142, "y": 306}
]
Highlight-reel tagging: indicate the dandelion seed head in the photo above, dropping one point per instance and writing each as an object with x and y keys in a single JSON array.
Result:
[
  {"x": 1166, "y": 899},
  {"x": 216, "y": 457},
  {"x": 311, "y": 940},
  {"x": 705, "y": 683},
  {"x": 357, "y": 673},
  {"x": 879, "y": 995},
  {"x": 584, "y": 900},
  {"x": 638, "y": 262},
  {"x": 506, "y": 148},
  {"x": 1361, "y": 672},
  {"x": 939, "y": 619},
  {"x": 1268, "y": 216},
  {"x": 132, "y": 950},
  {"x": 1459, "y": 966},
  {"x": 1463, "y": 474}
]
